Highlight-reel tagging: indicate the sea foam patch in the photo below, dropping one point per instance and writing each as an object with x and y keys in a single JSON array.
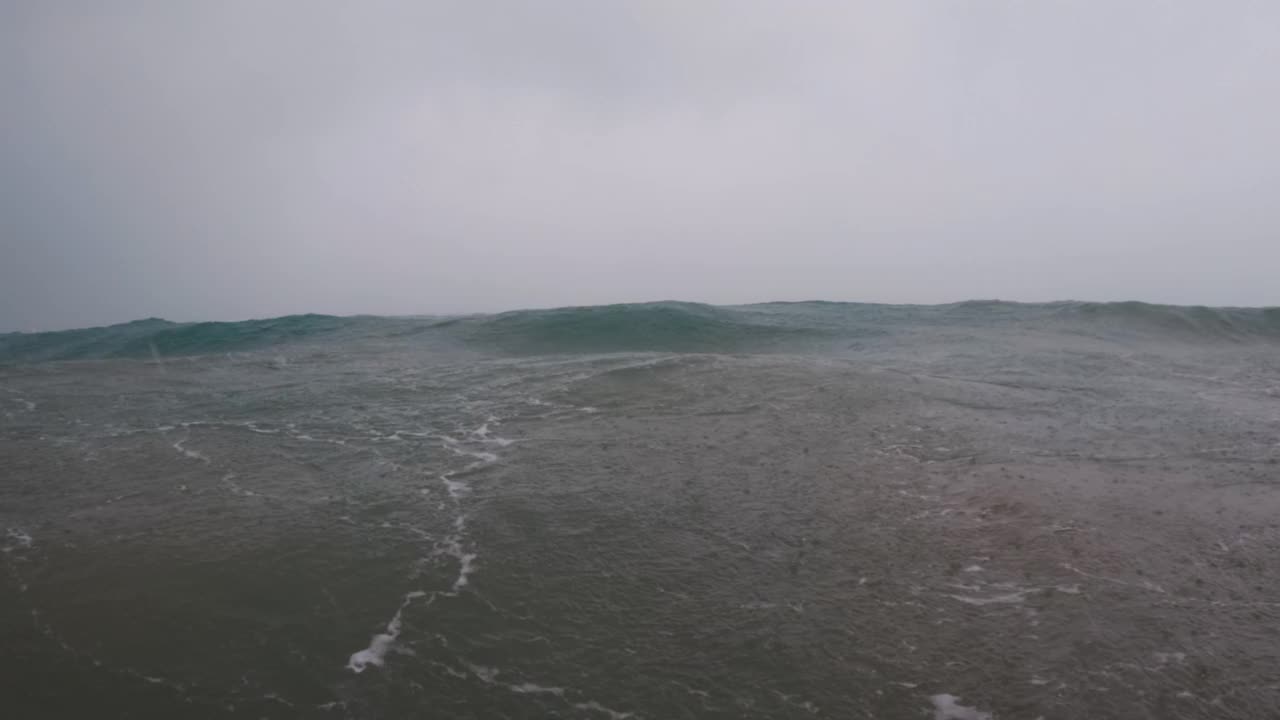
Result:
[
  {"x": 948, "y": 707},
  {"x": 382, "y": 643}
]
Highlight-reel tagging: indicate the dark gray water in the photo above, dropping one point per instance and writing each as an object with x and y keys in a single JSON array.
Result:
[{"x": 1004, "y": 514}]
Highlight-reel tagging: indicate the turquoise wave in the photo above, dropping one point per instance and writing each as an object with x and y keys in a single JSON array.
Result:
[
  {"x": 1196, "y": 322},
  {"x": 153, "y": 336},
  {"x": 658, "y": 327}
]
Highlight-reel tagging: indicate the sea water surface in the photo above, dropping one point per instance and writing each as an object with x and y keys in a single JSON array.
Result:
[{"x": 810, "y": 510}]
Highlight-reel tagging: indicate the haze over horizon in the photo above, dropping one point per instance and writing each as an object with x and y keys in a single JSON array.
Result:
[{"x": 199, "y": 161}]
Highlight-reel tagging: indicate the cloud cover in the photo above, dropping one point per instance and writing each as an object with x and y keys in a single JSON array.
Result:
[{"x": 237, "y": 159}]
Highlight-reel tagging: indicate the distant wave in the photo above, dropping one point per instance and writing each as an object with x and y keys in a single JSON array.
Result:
[
  {"x": 658, "y": 326},
  {"x": 1188, "y": 322},
  {"x": 143, "y": 338}
]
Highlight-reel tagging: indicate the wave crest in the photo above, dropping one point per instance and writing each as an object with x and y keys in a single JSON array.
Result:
[{"x": 678, "y": 327}]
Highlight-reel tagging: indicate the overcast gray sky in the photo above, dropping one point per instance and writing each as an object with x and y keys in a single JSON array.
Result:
[{"x": 252, "y": 158}]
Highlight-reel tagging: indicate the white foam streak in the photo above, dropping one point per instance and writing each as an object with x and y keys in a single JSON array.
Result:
[
  {"x": 455, "y": 546},
  {"x": 535, "y": 689},
  {"x": 485, "y": 457},
  {"x": 17, "y": 538},
  {"x": 947, "y": 707},
  {"x": 1013, "y": 597},
  {"x": 234, "y": 487},
  {"x": 452, "y": 546},
  {"x": 307, "y": 438},
  {"x": 484, "y": 674},
  {"x": 466, "y": 566},
  {"x": 194, "y": 455},
  {"x": 1144, "y": 585},
  {"x": 597, "y": 707},
  {"x": 485, "y": 435},
  {"x": 489, "y": 676},
  {"x": 456, "y": 488},
  {"x": 382, "y": 643},
  {"x": 492, "y": 676}
]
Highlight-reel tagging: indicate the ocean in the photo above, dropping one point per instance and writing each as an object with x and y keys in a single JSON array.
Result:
[{"x": 975, "y": 511}]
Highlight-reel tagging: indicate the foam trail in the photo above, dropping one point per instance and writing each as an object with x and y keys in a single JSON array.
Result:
[
  {"x": 456, "y": 488},
  {"x": 234, "y": 487},
  {"x": 484, "y": 457},
  {"x": 194, "y": 455},
  {"x": 452, "y": 546},
  {"x": 484, "y": 674},
  {"x": 19, "y": 538},
  {"x": 466, "y": 567},
  {"x": 484, "y": 435},
  {"x": 1144, "y": 585},
  {"x": 489, "y": 676},
  {"x": 382, "y": 643},
  {"x": 535, "y": 689},
  {"x": 308, "y": 438},
  {"x": 1013, "y": 597},
  {"x": 946, "y": 707},
  {"x": 613, "y": 714}
]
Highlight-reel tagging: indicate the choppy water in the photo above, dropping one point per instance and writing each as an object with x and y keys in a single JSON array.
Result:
[{"x": 812, "y": 510}]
